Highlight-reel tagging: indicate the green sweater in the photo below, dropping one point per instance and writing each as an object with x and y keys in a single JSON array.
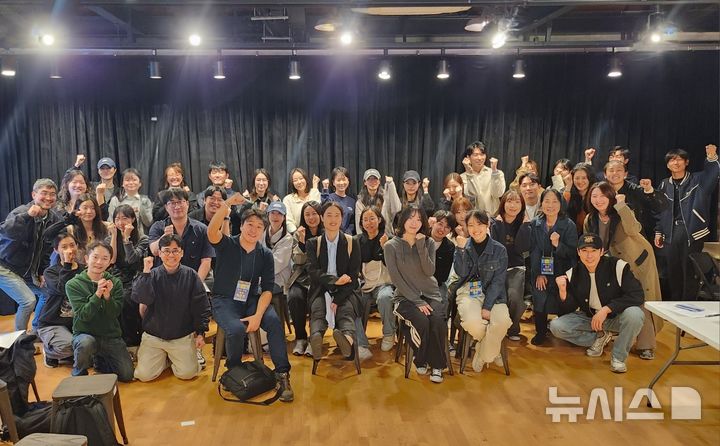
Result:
[{"x": 94, "y": 315}]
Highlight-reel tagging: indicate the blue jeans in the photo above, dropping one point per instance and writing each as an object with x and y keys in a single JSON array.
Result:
[
  {"x": 227, "y": 312},
  {"x": 575, "y": 328},
  {"x": 25, "y": 293},
  {"x": 383, "y": 296},
  {"x": 107, "y": 355}
]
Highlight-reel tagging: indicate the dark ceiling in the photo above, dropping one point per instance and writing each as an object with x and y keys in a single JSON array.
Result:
[{"x": 542, "y": 25}]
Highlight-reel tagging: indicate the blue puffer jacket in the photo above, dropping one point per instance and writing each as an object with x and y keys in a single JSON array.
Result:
[
  {"x": 695, "y": 190},
  {"x": 18, "y": 242},
  {"x": 490, "y": 268}
]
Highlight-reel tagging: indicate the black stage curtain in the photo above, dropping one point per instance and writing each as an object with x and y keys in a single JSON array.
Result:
[{"x": 341, "y": 114}]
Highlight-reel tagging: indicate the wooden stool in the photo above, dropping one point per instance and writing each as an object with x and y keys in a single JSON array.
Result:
[
  {"x": 280, "y": 304},
  {"x": 219, "y": 343},
  {"x": 53, "y": 440},
  {"x": 356, "y": 360},
  {"x": 466, "y": 341},
  {"x": 104, "y": 387}
]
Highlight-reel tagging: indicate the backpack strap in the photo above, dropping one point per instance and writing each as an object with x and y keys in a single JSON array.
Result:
[{"x": 267, "y": 402}]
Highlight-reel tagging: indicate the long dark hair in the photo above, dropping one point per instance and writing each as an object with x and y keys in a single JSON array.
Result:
[
  {"x": 64, "y": 193},
  {"x": 577, "y": 201},
  {"x": 98, "y": 226},
  {"x": 367, "y": 200},
  {"x": 510, "y": 193},
  {"x": 609, "y": 193},
  {"x": 405, "y": 214},
  {"x": 558, "y": 195},
  {"x": 291, "y": 186},
  {"x": 253, "y": 192},
  {"x": 127, "y": 211},
  {"x": 318, "y": 208},
  {"x": 268, "y": 237}
]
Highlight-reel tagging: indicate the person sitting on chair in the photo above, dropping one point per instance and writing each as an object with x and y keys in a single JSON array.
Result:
[
  {"x": 96, "y": 298},
  {"x": 244, "y": 281},
  {"x": 176, "y": 317},
  {"x": 600, "y": 296},
  {"x": 334, "y": 265},
  {"x": 481, "y": 264}
]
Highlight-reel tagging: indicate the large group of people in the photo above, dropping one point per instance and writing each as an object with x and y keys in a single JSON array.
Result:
[{"x": 127, "y": 284}]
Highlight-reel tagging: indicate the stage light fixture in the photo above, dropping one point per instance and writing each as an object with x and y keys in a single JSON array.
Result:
[
  {"x": 655, "y": 37},
  {"x": 443, "y": 69},
  {"x": 615, "y": 69},
  {"x": 519, "y": 69},
  {"x": 346, "y": 38},
  {"x": 501, "y": 35},
  {"x": 154, "y": 67},
  {"x": 219, "y": 70},
  {"x": 55, "y": 70},
  {"x": 195, "y": 39},
  {"x": 9, "y": 66},
  {"x": 47, "y": 39},
  {"x": 326, "y": 24},
  {"x": 477, "y": 24},
  {"x": 384, "y": 71},
  {"x": 294, "y": 70}
]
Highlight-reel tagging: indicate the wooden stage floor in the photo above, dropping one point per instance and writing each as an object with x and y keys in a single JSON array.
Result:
[{"x": 382, "y": 407}]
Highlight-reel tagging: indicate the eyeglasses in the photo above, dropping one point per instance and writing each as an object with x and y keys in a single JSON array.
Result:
[
  {"x": 47, "y": 194},
  {"x": 173, "y": 252},
  {"x": 176, "y": 203}
]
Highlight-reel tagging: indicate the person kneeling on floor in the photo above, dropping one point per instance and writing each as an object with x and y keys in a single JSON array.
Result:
[
  {"x": 96, "y": 298},
  {"x": 601, "y": 296},
  {"x": 177, "y": 314}
]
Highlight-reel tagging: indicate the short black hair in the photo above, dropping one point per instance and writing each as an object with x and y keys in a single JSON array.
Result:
[
  {"x": 623, "y": 151},
  {"x": 254, "y": 212},
  {"x": 480, "y": 216},
  {"x": 448, "y": 216},
  {"x": 340, "y": 170},
  {"x": 60, "y": 237},
  {"x": 167, "y": 239},
  {"x": 217, "y": 165},
  {"x": 98, "y": 244},
  {"x": 177, "y": 193},
  {"x": 565, "y": 163},
  {"x": 682, "y": 153},
  {"x": 475, "y": 145},
  {"x": 212, "y": 189},
  {"x": 534, "y": 178},
  {"x": 619, "y": 163}
]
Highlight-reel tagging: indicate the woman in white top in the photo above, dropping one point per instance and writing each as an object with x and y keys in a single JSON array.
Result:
[
  {"x": 299, "y": 194},
  {"x": 141, "y": 204}
]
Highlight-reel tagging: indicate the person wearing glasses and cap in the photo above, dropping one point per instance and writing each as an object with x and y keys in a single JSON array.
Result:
[
  {"x": 600, "y": 296},
  {"x": 384, "y": 198}
]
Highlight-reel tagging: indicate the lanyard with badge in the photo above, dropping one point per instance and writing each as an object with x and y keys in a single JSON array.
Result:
[
  {"x": 242, "y": 290},
  {"x": 547, "y": 263},
  {"x": 475, "y": 284}
]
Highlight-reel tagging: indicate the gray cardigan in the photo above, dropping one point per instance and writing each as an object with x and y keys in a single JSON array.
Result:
[{"x": 411, "y": 269}]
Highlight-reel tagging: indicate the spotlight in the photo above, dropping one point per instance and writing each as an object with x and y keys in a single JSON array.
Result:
[
  {"x": 195, "y": 39},
  {"x": 55, "y": 70},
  {"x": 655, "y": 37},
  {"x": 154, "y": 69},
  {"x": 476, "y": 24},
  {"x": 9, "y": 66},
  {"x": 346, "y": 38},
  {"x": 294, "y": 71},
  {"x": 219, "y": 71},
  {"x": 443, "y": 69},
  {"x": 519, "y": 69},
  {"x": 615, "y": 70},
  {"x": 384, "y": 72},
  {"x": 47, "y": 39},
  {"x": 499, "y": 39},
  {"x": 326, "y": 24}
]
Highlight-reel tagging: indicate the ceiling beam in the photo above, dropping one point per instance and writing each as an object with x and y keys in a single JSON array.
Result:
[
  {"x": 548, "y": 18},
  {"x": 112, "y": 18}
]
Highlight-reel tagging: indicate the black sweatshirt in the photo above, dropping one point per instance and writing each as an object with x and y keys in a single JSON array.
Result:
[
  {"x": 177, "y": 303},
  {"x": 57, "y": 309}
]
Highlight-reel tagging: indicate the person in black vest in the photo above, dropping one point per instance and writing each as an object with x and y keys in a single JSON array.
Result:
[{"x": 601, "y": 296}]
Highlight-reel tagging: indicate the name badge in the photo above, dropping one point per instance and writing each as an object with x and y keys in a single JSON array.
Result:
[
  {"x": 547, "y": 267},
  {"x": 476, "y": 291},
  {"x": 241, "y": 291}
]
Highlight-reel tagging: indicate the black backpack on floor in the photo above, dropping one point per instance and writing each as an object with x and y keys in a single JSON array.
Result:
[
  {"x": 248, "y": 380},
  {"x": 86, "y": 416}
]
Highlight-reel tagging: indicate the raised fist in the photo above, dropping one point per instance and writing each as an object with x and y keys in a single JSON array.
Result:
[
  {"x": 79, "y": 160},
  {"x": 646, "y": 185},
  {"x": 425, "y": 183},
  {"x": 620, "y": 198},
  {"x": 388, "y": 179},
  {"x": 315, "y": 181},
  {"x": 228, "y": 183},
  {"x": 555, "y": 239},
  {"x": 326, "y": 183},
  {"x": 589, "y": 153},
  {"x": 561, "y": 281},
  {"x": 460, "y": 241},
  {"x": 493, "y": 163},
  {"x": 169, "y": 230},
  {"x": 711, "y": 150},
  {"x": 300, "y": 233},
  {"x": 148, "y": 263}
]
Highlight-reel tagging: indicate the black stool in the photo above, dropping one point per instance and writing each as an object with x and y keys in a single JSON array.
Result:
[
  {"x": 406, "y": 343},
  {"x": 466, "y": 341},
  {"x": 316, "y": 362},
  {"x": 219, "y": 348}
]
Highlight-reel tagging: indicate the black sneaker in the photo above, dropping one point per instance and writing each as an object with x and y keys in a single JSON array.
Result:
[
  {"x": 50, "y": 363},
  {"x": 286, "y": 392},
  {"x": 538, "y": 339}
]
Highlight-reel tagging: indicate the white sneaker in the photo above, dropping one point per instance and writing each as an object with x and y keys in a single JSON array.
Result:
[
  {"x": 600, "y": 342},
  {"x": 300, "y": 346},
  {"x": 499, "y": 361},
  {"x": 477, "y": 363},
  {"x": 200, "y": 357},
  {"x": 617, "y": 366},
  {"x": 422, "y": 370},
  {"x": 388, "y": 342},
  {"x": 514, "y": 338},
  {"x": 364, "y": 353},
  {"x": 309, "y": 350},
  {"x": 436, "y": 376}
]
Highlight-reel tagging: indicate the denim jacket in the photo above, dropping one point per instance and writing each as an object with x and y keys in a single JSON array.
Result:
[{"x": 490, "y": 268}]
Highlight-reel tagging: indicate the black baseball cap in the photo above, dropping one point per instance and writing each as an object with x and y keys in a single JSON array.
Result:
[{"x": 590, "y": 241}]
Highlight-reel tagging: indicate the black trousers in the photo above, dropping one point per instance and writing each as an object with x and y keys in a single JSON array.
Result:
[
  {"x": 130, "y": 320},
  {"x": 426, "y": 332},
  {"x": 344, "y": 316},
  {"x": 678, "y": 271},
  {"x": 298, "y": 308}
]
